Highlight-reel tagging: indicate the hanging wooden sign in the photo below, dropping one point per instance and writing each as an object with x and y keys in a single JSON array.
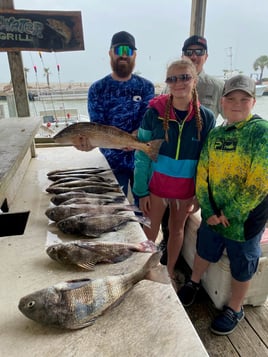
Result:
[{"x": 22, "y": 30}]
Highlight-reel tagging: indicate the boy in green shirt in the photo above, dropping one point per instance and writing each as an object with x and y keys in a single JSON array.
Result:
[{"x": 232, "y": 190}]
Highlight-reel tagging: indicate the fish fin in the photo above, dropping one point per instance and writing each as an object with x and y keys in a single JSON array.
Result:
[
  {"x": 143, "y": 220},
  {"x": 86, "y": 265},
  {"x": 158, "y": 274},
  {"x": 155, "y": 271},
  {"x": 119, "y": 198},
  {"x": 89, "y": 234},
  {"x": 133, "y": 208},
  {"x": 121, "y": 258},
  {"x": 82, "y": 325},
  {"x": 153, "y": 148},
  {"x": 73, "y": 284},
  {"x": 84, "y": 245},
  {"x": 148, "y": 246}
]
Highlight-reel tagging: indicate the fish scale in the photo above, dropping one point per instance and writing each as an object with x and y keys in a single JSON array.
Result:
[
  {"x": 94, "y": 226},
  {"x": 77, "y": 303},
  {"x": 85, "y": 254}
]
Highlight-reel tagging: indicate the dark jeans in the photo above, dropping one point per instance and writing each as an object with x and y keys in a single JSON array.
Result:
[{"x": 125, "y": 177}]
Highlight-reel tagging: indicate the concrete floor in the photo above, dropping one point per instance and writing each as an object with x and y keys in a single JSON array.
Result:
[{"x": 150, "y": 321}]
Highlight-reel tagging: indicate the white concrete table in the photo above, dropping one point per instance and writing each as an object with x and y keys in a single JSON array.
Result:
[{"x": 150, "y": 321}]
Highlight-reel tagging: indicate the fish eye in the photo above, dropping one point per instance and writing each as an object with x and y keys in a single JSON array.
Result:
[{"x": 31, "y": 304}]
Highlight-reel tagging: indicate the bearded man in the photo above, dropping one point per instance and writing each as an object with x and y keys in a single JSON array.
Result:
[{"x": 120, "y": 99}]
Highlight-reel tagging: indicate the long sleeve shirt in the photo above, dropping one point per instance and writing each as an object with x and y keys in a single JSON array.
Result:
[
  {"x": 121, "y": 104},
  {"x": 232, "y": 176},
  {"x": 173, "y": 174}
]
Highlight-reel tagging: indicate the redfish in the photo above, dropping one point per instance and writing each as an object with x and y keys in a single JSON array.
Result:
[
  {"x": 85, "y": 254},
  {"x": 105, "y": 136},
  {"x": 77, "y": 303}
]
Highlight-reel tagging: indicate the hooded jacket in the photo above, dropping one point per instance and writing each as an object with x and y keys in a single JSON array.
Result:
[
  {"x": 173, "y": 174},
  {"x": 232, "y": 176}
]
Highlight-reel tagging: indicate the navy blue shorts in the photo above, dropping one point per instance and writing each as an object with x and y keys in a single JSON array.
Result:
[{"x": 243, "y": 256}]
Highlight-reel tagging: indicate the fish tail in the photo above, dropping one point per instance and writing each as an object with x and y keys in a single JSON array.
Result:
[
  {"x": 119, "y": 198},
  {"x": 132, "y": 208},
  {"x": 143, "y": 220},
  {"x": 148, "y": 246},
  {"x": 153, "y": 148},
  {"x": 155, "y": 271},
  {"x": 152, "y": 262}
]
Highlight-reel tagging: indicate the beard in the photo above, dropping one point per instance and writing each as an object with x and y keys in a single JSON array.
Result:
[{"x": 123, "y": 67}]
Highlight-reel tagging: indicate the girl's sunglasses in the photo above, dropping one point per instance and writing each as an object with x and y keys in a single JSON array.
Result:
[
  {"x": 180, "y": 78},
  {"x": 123, "y": 50}
]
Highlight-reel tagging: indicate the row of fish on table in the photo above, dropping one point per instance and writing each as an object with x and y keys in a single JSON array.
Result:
[{"x": 87, "y": 203}]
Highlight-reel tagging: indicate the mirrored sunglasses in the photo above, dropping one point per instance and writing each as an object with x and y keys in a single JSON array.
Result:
[
  {"x": 123, "y": 50},
  {"x": 198, "y": 52},
  {"x": 180, "y": 78}
]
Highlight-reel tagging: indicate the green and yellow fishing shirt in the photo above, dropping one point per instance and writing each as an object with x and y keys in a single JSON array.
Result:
[{"x": 232, "y": 176}]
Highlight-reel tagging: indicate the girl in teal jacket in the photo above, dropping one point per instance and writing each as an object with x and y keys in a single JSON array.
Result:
[{"x": 178, "y": 118}]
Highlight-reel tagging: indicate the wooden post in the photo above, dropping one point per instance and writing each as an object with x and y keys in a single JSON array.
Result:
[
  {"x": 61, "y": 35},
  {"x": 17, "y": 74},
  {"x": 198, "y": 16},
  {"x": 18, "y": 79},
  {"x": 19, "y": 84}
]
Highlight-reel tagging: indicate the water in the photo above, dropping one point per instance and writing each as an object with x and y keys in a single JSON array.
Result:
[
  {"x": 261, "y": 106},
  {"x": 37, "y": 106}
]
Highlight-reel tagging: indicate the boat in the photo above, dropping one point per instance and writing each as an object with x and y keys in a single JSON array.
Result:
[
  {"x": 58, "y": 94},
  {"x": 58, "y": 119},
  {"x": 260, "y": 88}
]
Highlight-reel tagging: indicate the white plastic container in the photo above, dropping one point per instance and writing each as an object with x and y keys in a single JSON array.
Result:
[{"x": 217, "y": 279}]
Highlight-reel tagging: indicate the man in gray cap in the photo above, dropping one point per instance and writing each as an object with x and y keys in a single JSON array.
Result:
[{"x": 209, "y": 89}]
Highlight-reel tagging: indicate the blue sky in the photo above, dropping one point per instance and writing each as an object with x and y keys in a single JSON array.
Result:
[{"x": 160, "y": 28}]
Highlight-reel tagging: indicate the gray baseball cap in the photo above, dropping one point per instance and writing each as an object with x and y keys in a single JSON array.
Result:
[{"x": 240, "y": 82}]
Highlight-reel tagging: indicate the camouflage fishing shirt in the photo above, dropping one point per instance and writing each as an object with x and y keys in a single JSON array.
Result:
[
  {"x": 232, "y": 176},
  {"x": 121, "y": 104}
]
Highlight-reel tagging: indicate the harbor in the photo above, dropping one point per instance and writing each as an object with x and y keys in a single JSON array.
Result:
[
  {"x": 149, "y": 320},
  {"x": 79, "y": 107}
]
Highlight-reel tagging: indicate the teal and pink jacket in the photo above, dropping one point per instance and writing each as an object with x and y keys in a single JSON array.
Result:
[{"x": 173, "y": 174}]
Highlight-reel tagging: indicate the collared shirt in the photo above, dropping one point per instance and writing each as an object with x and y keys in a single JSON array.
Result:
[{"x": 209, "y": 91}]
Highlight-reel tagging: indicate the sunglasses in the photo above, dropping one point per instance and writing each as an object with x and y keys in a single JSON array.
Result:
[
  {"x": 198, "y": 52},
  {"x": 123, "y": 50},
  {"x": 180, "y": 78}
]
